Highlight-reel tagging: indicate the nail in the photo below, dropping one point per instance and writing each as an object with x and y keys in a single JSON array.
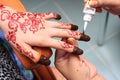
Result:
[
  {"x": 58, "y": 17},
  {"x": 77, "y": 51},
  {"x": 43, "y": 60},
  {"x": 74, "y": 27},
  {"x": 84, "y": 37}
]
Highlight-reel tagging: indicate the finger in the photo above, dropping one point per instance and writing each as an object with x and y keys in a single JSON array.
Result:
[
  {"x": 61, "y": 45},
  {"x": 84, "y": 37},
  {"x": 61, "y": 54},
  {"x": 72, "y": 41},
  {"x": 61, "y": 25},
  {"x": 94, "y": 3},
  {"x": 65, "y": 33},
  {"x": 50, "y": 15},
  {"x": 26, "y": 50},
  {"x": 46, "y": 53},
  {"x": 102, "y": 3}
]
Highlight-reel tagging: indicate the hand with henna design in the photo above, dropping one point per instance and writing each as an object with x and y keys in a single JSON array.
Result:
[{"x": 23, "y": 30}]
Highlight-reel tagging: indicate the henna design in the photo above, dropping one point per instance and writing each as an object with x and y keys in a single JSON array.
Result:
[
  {"x": 26, "y": 21},
  {"x": 28, "y": 53},
  {"x": 72, "y": 33},
  {"x": 19, "y": 47},
  {"x": 1, "y": 6},
  {"x": 13, "y": 26},
  {"x": 5, "y": 14},
  {"x": 65, "y": 45},
  {"x": 11, "y": 37},
  {"x": 64, "y": 24}
]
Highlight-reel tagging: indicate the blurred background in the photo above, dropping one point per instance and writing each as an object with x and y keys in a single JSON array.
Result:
[{"x": 104, "y": 48}]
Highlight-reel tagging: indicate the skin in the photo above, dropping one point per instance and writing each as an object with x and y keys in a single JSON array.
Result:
[
  {"x": 23, "y": 30},
  {"x": 74, "y": 67},
  {"x": 112, "y": 6}
]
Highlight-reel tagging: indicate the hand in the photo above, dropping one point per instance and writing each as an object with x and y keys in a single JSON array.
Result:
[
  {"x": 75, "y": 67},
  {"x": 23, "y": 30},
  {"x": 112, "y": 6}
]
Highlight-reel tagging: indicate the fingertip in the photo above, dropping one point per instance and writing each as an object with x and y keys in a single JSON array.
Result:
[
  {"x": 35, "y": 56},
  {"x": 44, "y": 60},
  {"x": 74, "y": 27},
  {"x": 58, "y": 17},
  {"x": 77, "y": 51},
  {"x": 99, "y": 10},
  {"x": 84, "y": 37}
]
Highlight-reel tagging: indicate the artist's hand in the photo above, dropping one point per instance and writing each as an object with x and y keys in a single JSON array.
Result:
[
  {"x": 25, "y": 30},
  {"x": 112, "y": 6},
  {"x": 75, "y": 67}
]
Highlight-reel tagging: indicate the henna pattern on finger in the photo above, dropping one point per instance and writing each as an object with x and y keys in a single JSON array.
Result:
[
  {"x": 28, "y": 53},
  {"x": 65, "y": 45},
  {"x": 64, "y": 24},
  {"x": 25, "y": 22},
  {"x": 72, "y": 33}
]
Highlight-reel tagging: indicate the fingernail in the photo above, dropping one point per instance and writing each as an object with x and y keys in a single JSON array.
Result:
[
  {"x": 74, "y": 27},
  {"x": 84, "y": 37},
  {"x": 58, "y": 17},
  {"x": 77, "y": 51},
  {"x": 43, "y": 60}
]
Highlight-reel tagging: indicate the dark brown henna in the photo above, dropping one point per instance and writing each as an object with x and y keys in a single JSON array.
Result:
[
  {"x": 84, "y": 37},
  {"x": 74, "y": 27},
  {"x": 44, "y": 61},
  {"x": 77, "y": 51},
  {"x": 58, "y": 17}
]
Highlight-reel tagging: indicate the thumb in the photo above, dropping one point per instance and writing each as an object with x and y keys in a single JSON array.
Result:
[
  {"x": 28, "y": 51},
  {"x": 60, "y": 53}
]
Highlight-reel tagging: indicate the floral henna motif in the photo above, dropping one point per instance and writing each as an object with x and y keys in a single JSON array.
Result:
[
  {"x": 72, "y": 33},
  {"x": 25, "y": 21},
  {"x": 64, "y": 24},
  {"x": 65, "y": 45},
  {"x": 21, "y": 49}
]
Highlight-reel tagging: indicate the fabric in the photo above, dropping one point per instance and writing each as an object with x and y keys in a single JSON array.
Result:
[
  {"x": 8, "y": 69},
  {"x": 14, "y": 61},
  {"x": 26, "y": 73},
  {"x": 15, "y": 4}
]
